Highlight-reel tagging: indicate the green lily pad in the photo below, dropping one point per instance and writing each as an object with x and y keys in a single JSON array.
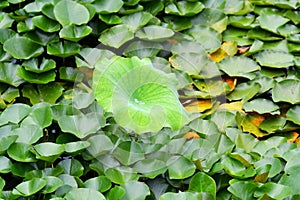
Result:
[
  {"x": 202, "y": 182},
  {"x": 39, "y": 78},
  {"x": 45, "y": 24},
  {"x": 139, "y": 96},
  {"x": 150, "y": 168},
  {"x": 33, "y": 65},
  {"x": 117, "y": 35},
  {"x": 121, "y": 174},
  {"x": 100, "y": 183},
  {"x": 243, "y": 189},
  {"x": 135, "y": 190},
  {"x": 237, "y": 169},
  {"x": 110, "y": 18},
  {"x": 44, "y": 93},
  {"x": 84, "y": 194},
  {"x": 21, "y": 152},
  {"x": 261, "y": 106},
  {"x": 40, "y": 115},
  {"x": 287, "y": 91},
  {"x": 116, "y": 192},
  {"x": 274, "y": 59},
  {"x": 271, "y": 22},
  {"x": 184, "y": 8},
  {"x": 137, "y": 20},
  {"x": 106, "y": 7},
  {"x": 99, "y": 144},
  {"x": 273, "y": 190},
  {"x": 72, "y": 167},
  {"x": 180, "y": 167},
  {"x": 184, "y": 196},
  {"x": 271, "y": 125},
  {"x": 74, "y": 148},
  {"x": 8, "y": 74},
  {"x": 293, "y": 114},
  {"x": 70, "y": 74},
  {"x": 154, "y": 33},
  {"x": 81, "y": 125},
  {"x": 63, "y": 49},
  {"x": 6, "y": 141},
  {"x": 52, "y": 184},
  {"x": 263, "y": 35},
  {"x": 239, "y": 70},
  {"x": 30, "y": 187},
  {"x": 245, "y": 91},
  {"x": 74, "y": 33},
  {"x": 69, "y": 12},
  {"x": 14, "y": 113},
  {"x": 143, "y": 49},
  {"x": 48, "y": 151},
  {"x": 22, "y": 48},
  {"x": 6, "y": 165},
  {"x": 42, "y": 38},
  {"x": 28, "y": 134}
]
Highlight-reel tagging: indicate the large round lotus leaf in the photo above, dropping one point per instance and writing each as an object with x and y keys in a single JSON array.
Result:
[
  {"x": 274, "y": 59},
  {"x": 184, "y": 8},
  {"x": 117, "y": 35},
  {"x": 22, "y": 48},
  {"x": 70, "y": 12},
  {"x": 238, "y": 66},
  {"x": 139, "y": 96},
  {"x": 287, "y": 91}
]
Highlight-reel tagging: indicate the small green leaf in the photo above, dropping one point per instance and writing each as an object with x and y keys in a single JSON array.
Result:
[
  {"x": 135, "y": 190},
  {"x": 45, "y": 24},
  {"x": 74, "y": 33},
  {"x": 150, "y": 168},
  {"x": 117, "y": 35},
  {"x": 48, "y": 151},
  {"x": 39, "y": 78},
  {"x": 81, "y": 125},
  {"x": 116, "y": 192},
  {"x": 84, "y": 194},
  {"x": 273, "y": 190},
  {"x": 121, "y": 174},
  {"x": 52, "y": 184},
  {"x": 21, "y": 152},
  {"x": 14, "y": 113},
  {"x": 72, "y": 167},
  {"x": 271, "y": 22},
  {"x": 69, "y": 12},
  {"x": 5, "y": 166},
  {"x": 274, "y": 59},
  {"x": 137, "y": 20},
  {"x": 293, "y": 114},
  {"x": 100, "y": 183},
  {"x": 65, "y": 49},
  {"x": 41, "y": 115},
  {"x": 202, "y": 182},
  {"x": 107, "y": 6},
  {"x": 154, "y": 33},
  {"x": 129, "y": 152},
  {"x": 33, "y": 65},
  {"x": 287, "y": 90},
  {"x": 180, "y": 167},
  {"x": 74, "y": 148},
  {"x": 243, "y": 189},
  {"x": 261, "y": 106},
  {"x": 28, "y": 134},
  {"x": 99, "y": 144},
  {"x": 184, "y": 8},
  {"x": 30, "y": 187},
  {"x": 237, "y": 169},
  {"x": 22, "y": 48},
  {"x": 239, "y": 70},
  {"x": 143, "y": 49}
]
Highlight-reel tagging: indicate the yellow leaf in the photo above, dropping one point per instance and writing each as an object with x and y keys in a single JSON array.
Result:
[
  {"x": 230, "y": 48},
  {"x": 294, "y": 137},
  {"x": 238, "y": 105},
  {"x": 191, "y": 135},
  {"x": 218, "y": 55},
  {"x": 250, "y": 123},
  {"x": 199, "y": 106}
]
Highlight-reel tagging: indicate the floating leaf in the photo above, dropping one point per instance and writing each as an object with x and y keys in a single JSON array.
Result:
[
  {"x": 271, "y": 22},
  {"x": 180, "y": 167},
  {"x": 30, "y": 187},
  {"x": 99, "y": 144},
  {"x": 154, "y": 33},
  {"x": 135, "y": 190},
  {"x": 14, "y": 113},
  {"x": 22, "y": 48},
  {"x": 137, "y": 20},
  {"x": 202, "y": 182},
  {"x": 146, "y": 96},
  {"x": 21, "y": 152},
  {"x": 100, "y": 183},
  {"x": 273, "y": 190},
  {"x": 117, "y": 35},
  {"x": 261, "y": 106},
  {"x": 129, "y": 153},
  {"x": 52, "y": 184},
  {"x": 28, "y": 134},
  {"x": 243, "y": 189},
  {"x": 69, "y": 12},
  {"x": 184, "y": 8},
  {"x": 110, "y": 18},
  {"x": 81, "y": 125},
  {"x": 150, "y": 168},
  {"x": 33, "y": 65},
  {"x": 6, "y": 165},
  {"x": 45, "y": 24},
  {"x": 63, "y": 49},
  {"x": 72, "y": 167},
  {"x": 74, "y": 33},
  {"x": 48, "y": 151},
  {"x": 143, "y": 49},
  {"x": 39, "y": 78},
  {"x": 274, "y": 59},
  {"x": 250, "y": 123},
  {"x": 287, "y": 91},
  {"x": 74, "y": 148},
  {"x": 106, "y": 6},
  {"x": 293, "y": 114},
  {"x": 40, "y": 115},
  {"x": 272, "y": 125},
  {"x": 84, "y": 194},
  {"x": 243, "y": 66},
  {"x": 121, "y": 174}
]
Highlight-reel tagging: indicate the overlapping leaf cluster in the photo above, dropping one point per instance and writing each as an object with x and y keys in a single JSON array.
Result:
[{"x": 237, "y": 69}]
